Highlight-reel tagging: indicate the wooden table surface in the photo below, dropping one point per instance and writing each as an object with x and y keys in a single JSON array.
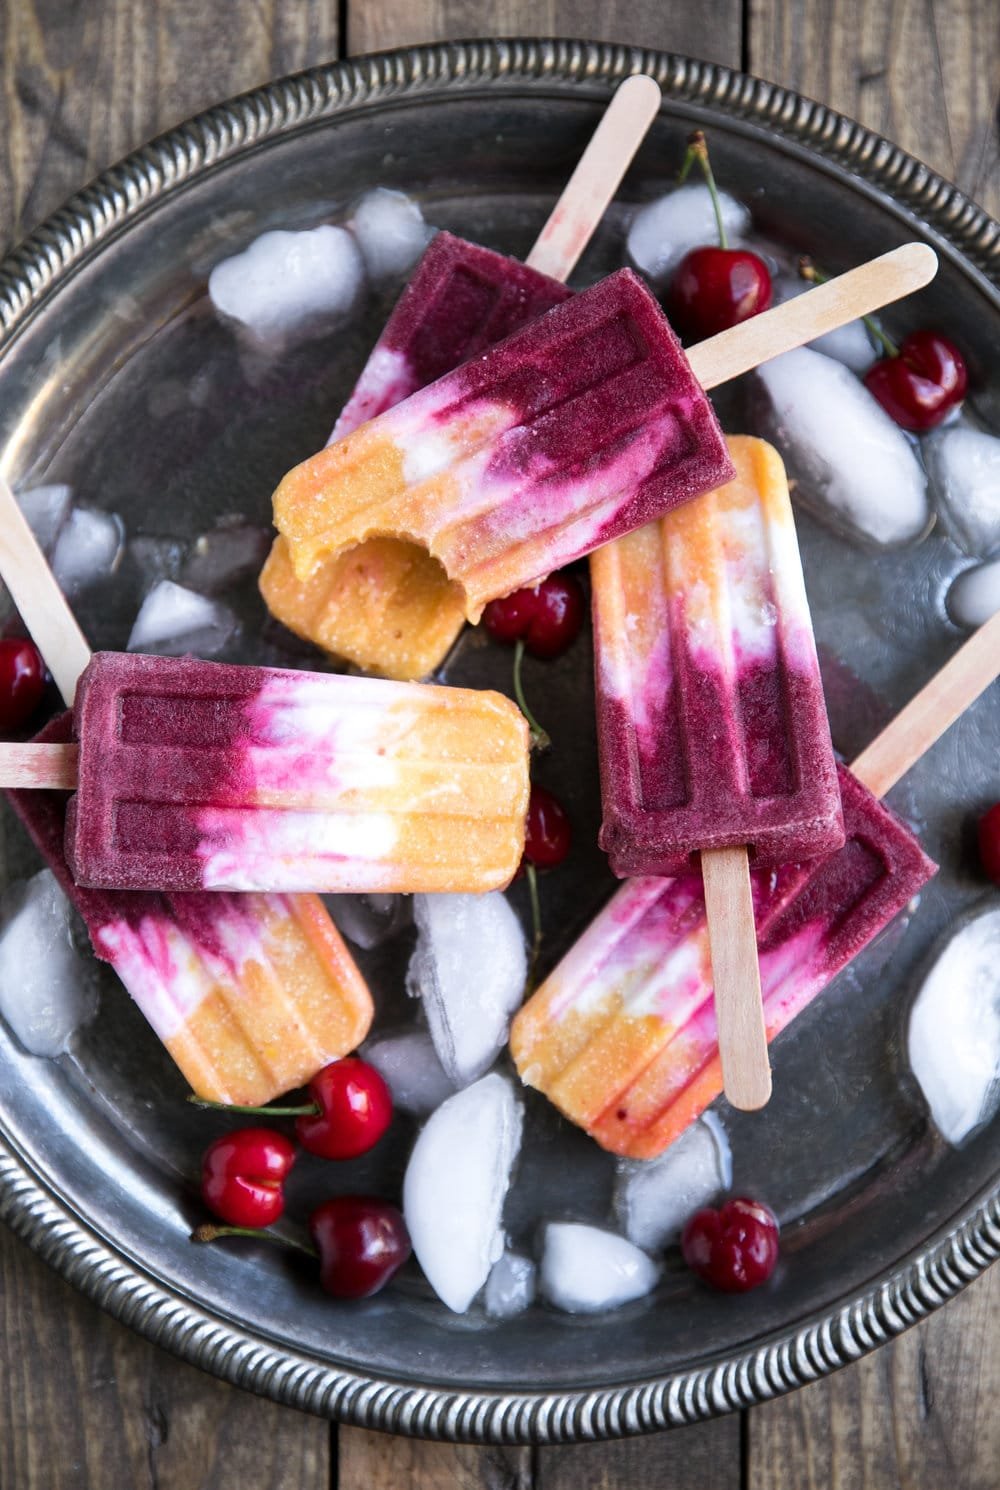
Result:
[{"x": 82, "y": 1401}]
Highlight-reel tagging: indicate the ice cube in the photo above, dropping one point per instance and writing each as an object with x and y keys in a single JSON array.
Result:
[
  {"x": 285, "y": 283},
  {"x": 47, "y": 990},
  {"x": 408, "y": 1062},
  {"x": 663, "y": 231},
  {"x": 173, "y": 622},
  {"x": 469, "y": 968},
  {"x": 510, "y": 1288},
  {"x": 654, "y": 1199},
  {"x": 975, "y": 595},
  {"x": 46, "y": 509},
  {"x": 965, "y": 468},
  {"x": 848, "y": 344},
  {"x": 954, "y": 1033},
  {"x": 89, "y": 548},
  {"x": 229, "y": 553},
  {"x": 391, "y": 232},
  {"x": 585, "y": 1269},
  {"x": 852, "y": 465},
  {"x": 369, "y": 920},
  {"x": 455, "y": 1184},
  {"x": 157, "y": 557}
]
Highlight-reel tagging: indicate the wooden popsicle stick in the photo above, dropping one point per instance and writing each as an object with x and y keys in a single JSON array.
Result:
[
  {"x": 739, "y": 1008},
  {"x": 932, "y": 711},
  {"x": 34, "y": 767},
  {"x": 41, "y": 603},
  {"x": 856, "y": 293},
  {"x": 597, "y": 176}
]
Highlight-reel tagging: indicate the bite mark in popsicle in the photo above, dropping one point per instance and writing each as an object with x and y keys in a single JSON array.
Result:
[{"x": 386, "y": 604}]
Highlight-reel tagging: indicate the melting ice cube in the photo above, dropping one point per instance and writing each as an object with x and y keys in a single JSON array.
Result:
[
  {"x": 975, "y": 595},
  {"x": 455, "y": 1184},
  {"x": 173, "y": 622},
  {"x": 284, "y": 283},
  {"x": 408, "y": 1062},
  {"x": 89, "y": 548},
  {"x": 848, "y": 344},
  {"x": 369, "y": 920},
  {"x": 954, "y": 1033},
  {"x": 852, "y": 465},
  {"x": 391, "y": 232},
  {"x": 510, "y": 1288},
  {"x": 469, "y": 969},
  {"x": 47, "y": 990},
  {"x": 666, "y": 229},
  {"x": 965, "y": 466},
  {"x": 654, "y": 1198},
  {"x": 585, "y": 1269},
  {"x": 46, "y": 509}
]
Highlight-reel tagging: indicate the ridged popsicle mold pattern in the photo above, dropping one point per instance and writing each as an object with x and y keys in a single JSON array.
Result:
[{"x": 35, "y": 1214}]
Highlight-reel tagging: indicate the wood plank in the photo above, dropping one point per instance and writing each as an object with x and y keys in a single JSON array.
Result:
[
  {"x": 918, "y": 1414},
  {"x": 85, "y": 84},
  {"x": 924, "y": 75},
  {"x": 711, "y": 29},
  {"x": 83, "y": 1402},
  {"x": 380, "y": 1461},
  {"x": 705, "y": 1456}
]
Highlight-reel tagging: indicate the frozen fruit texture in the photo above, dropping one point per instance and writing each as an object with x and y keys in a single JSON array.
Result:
[{"x": 197, "y": 775}]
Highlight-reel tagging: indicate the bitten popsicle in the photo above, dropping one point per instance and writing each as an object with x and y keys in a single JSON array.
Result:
[
  {"x": 386, "y": 605},
  {"x": 250, "y": 994},
  {"x": 622, "y": 1035},
  {"x": 585, "y": 424},
  {"x": 711, "y": 720}
]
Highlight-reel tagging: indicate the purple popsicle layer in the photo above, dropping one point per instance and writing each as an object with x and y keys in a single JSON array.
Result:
[
  {"x": 712, "y": 723},
  {"x": 460, "y": 300},
  {"x": 622, "y": 1034}
]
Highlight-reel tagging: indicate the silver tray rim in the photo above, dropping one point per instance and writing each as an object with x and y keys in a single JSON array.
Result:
[{"x": 31, "y": 272}]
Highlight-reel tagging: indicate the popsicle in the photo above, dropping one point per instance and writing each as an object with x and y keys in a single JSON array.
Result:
[
  {"x": 622, "y": 1035},
  {"x": 583, "y": 425},
  {"x": 386, "y": 604},
  {"x": 711, "y": 721},
  {"x": 198, "y": 775},
  {"x": 250, "y": 994}
]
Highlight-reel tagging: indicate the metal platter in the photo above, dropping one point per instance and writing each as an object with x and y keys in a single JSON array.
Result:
[{"x": 118, "y": 378}]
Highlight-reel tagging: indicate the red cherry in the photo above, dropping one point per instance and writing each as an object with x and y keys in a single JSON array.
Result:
[
  {"x": 734, "y": 1248},
  {"x": 242, "y": 1175},
  {"x": 919, "y": 386},
  {"x": 989, "y": 842},
  {"x": 22, "y": 681},
  {"x": 362, "y": 1241},
  {"x": 548, "y": 832},
  {"x": 547, "y": 617},
  {"x": 355, "y": 1108},
  {"x": 715, "y": 288}
]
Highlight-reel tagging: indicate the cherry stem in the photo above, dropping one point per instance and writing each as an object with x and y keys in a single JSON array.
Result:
[
  {"x": 697, "y": 150},
  {"x": 536, "y": 923},
  {"x": 209, "y": 1233},
  {"x": 539, "y": 738},
  {"x": 814, "y": 276},
  {"x": 308, "y": 1109}
]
